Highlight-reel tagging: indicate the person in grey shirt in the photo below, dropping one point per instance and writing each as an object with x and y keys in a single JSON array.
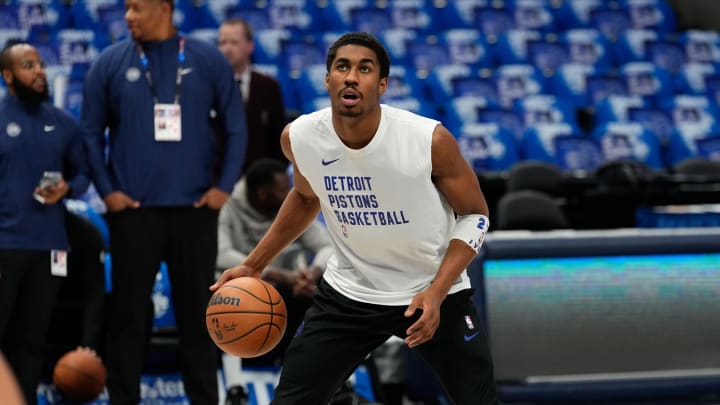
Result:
[{"x": 243, "y": 221}]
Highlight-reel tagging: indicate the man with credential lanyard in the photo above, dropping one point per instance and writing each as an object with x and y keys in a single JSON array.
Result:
[{"x": 156, "y": 93}]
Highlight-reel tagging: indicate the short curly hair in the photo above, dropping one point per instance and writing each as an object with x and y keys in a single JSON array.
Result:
[{"x": 362, "y": 39}]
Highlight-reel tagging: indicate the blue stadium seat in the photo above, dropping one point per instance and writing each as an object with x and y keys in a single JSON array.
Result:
[
  {"x": 610, "y": 21},
  {"x": 712, "y": 88},
  {"x": 80, "y": 47},
  {"x": 460, "y": 14},
  {"x": 541, "y": 109},
  {"x": 505, "y": 117},
  {"x": 112, "y": 20},
  {"x": 296, "y": 53},
  {"x": 492, "y": 22},
  {"x": 534, "y": 15},
  {"x": 628, "y": 141},
  {"x": 656, "y": 15},
  {"x": 548, "y": 55},
  {"x": 691, "y": 78},
  {"x": 257, "y": 18},
  {"x": 488, "y": 147},
  {"x": 418, "y": 15},
  {"x": 587, "y": 46},
  {"x": 655, "y": 119},
  {"x": 570, "y": 82},
  {"x": 692, "y": 109},
  {"x": 463, "y": 110},
  {"x": 44, "y": 14},
  {"x": 691, "y": 140},
  {"x": 301, "y": 16},
  {"x": 647, "y": 80},
  {"x": 396, "y": 42},
  {"x": 191, "y": 15},
  {"x": 12, "y": 34},
  {"x": 209, "y": 35},
  {"x": 577, "y": 153},
  {"x": 700, "y": 46},
  {"x": 602, "y": 85},
  {"x": 630, "y": 46},
  {"x": 268, "y": 45},
  {"x": 538, "y": 141},
  {"x": 425, "y": 53},
  {"x": 709, "y": 148},
  {"x": 480, "y": 85},
  {"x": 370, "y": 19},
  {"x": 518, "y": 81},
  {"x": 309, "y": 86},
  {"x": 467, "y": 46},
  {"x": 617, "y": 108},
  {"x": 512, "y": 46},
  {"x": 575, "y": 13},
  {"x": 439, "y": 81},
  {"x": 666, "y": 53},
  {"x": 337, "y": 14},
  {"x": 402, "y": 84},
  {"x": 8, "y": 17}
]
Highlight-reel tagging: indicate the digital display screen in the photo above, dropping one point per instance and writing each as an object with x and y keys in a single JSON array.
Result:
[{"x": 600, "y": 314}]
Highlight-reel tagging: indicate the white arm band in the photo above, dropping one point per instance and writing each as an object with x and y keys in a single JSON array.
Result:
[{"x": 471, "y": 229}]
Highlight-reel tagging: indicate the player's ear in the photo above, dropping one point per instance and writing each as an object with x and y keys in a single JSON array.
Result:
[{"x": 382, "y": 86}]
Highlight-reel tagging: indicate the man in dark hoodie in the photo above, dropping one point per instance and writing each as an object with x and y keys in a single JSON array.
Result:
[{"x": 41, "y": 162}]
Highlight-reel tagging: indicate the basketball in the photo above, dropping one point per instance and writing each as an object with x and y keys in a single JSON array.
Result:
[
  {"x": 79, "y": 375},
  {"x": 246, "y": 317}
]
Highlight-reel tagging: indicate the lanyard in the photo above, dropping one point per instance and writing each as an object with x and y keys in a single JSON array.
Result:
[{"x": 178, "y": 79}]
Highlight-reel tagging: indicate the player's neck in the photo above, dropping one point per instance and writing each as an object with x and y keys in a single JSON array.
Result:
[{"x": 357, "y": 132}]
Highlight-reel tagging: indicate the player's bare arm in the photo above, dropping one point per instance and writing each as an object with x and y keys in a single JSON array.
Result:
[
  {"x": 300, "y": 208},
  {"x": 458, "y": 182}
]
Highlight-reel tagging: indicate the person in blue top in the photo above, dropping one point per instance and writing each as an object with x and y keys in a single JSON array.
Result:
[
  {"x": 41, "y": 161},
  {"x": 156, "y": 93}
]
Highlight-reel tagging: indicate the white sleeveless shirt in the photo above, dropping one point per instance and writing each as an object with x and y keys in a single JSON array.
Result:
[{"x": 389, "y": 223}]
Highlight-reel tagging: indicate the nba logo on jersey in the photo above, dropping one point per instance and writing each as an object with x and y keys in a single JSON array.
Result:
[{"x": 469, "y": 322}]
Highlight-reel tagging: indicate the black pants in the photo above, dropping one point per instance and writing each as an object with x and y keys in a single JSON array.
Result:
[
  {"x": 140, "y": 239},
  {"x": 338, "y": 333},
  {"x": 27, "y": 297}
]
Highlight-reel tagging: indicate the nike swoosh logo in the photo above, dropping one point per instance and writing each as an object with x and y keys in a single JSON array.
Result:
[
  {"x": 325, "y": 163},
  {"x": 48, "y": 128},
  {"x": 471, "y": 337},
  {"x": 185, "y": 71}
]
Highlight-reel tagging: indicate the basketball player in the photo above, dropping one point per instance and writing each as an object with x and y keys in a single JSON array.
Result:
[{"x": 406, "y": 216}]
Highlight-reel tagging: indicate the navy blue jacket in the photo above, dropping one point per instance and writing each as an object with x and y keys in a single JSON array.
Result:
[
  {"x": 117, "y": 96},
  {"x": 33, "y": 141}
]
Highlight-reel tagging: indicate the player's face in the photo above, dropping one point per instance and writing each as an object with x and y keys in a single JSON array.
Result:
[
  {"x": 144, "y": 18},
  {"x": 233, "y": 43},
  {"x": 353, "y": 82},
  {"x": 28, "y": 71}
]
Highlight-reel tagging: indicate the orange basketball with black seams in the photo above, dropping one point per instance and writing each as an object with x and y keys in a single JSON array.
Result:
[
  {"x": 246, "y": 317},
  {"x": 79, "y": 375}
]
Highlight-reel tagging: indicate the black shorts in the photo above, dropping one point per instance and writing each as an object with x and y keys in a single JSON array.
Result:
[{"x": 338, "y": 333}]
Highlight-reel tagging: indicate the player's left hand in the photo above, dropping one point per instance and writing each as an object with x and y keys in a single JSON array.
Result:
[
  {"x": 424, "y": 328},
  {"x": 213, "y": 198},
  {"x": 52, "y": 194}
]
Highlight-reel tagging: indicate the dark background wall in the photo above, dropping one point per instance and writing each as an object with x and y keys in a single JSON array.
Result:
[{"x": 697, "y": 14}]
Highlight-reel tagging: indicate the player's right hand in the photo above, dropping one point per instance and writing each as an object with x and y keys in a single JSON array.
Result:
[
  {"x": 240, "y": 270},
  {"x": 118, "y": 201}
]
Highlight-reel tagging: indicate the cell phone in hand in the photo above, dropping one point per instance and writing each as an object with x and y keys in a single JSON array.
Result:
[{"x": 49, "y": 179}]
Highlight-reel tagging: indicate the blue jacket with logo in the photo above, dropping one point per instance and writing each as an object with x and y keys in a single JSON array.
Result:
[
  {"x": 117, "y": 96},
  {"x": 33, "y": 141}
]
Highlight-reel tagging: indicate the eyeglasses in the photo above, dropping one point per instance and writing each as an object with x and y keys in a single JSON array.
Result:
[{"x": 31, "y": 64}]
